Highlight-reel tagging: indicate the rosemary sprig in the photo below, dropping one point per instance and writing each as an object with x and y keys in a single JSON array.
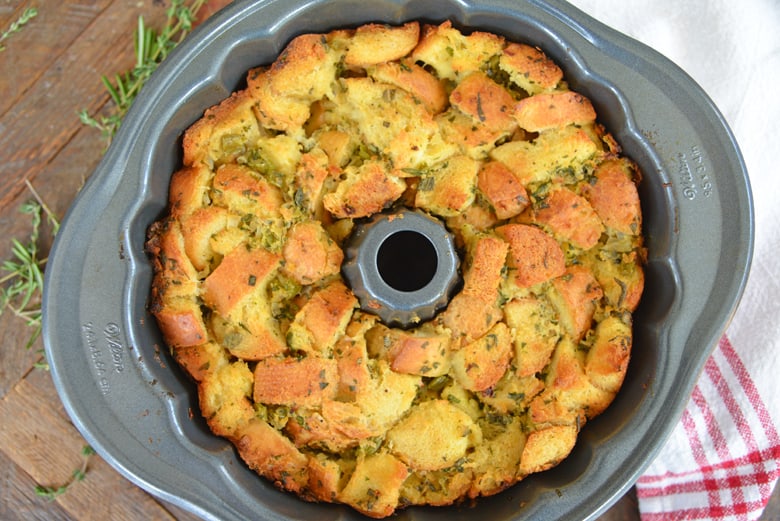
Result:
[
  {"x": 151, "y": 48},
  {"x": 78, "y": 474},
  {"x": 16, "y": 26},
  {"x": 21, "y": 286}
]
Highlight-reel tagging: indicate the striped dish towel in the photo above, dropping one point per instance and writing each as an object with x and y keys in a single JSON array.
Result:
[{"x": 722, "y": 460}]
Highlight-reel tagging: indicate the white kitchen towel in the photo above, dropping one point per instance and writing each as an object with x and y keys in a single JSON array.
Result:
[{"x": 722, "y": 459}]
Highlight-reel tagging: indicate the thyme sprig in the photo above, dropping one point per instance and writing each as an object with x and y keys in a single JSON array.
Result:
[
  {"x": 22, "y": 284},
  {"x": 16, "y": 26},
  {"x": 151, "y": 48},
  {"x": 78, "y": 474}
]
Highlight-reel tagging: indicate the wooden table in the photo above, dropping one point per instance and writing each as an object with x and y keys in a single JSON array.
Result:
[{"x": 49, "y": 71}]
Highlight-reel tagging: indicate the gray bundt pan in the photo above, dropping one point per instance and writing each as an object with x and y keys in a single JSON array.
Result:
[{"x": 140, "y": 412}]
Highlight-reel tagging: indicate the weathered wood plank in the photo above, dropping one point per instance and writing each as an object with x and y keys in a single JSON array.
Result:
[
  {"x": 41, "y": 42},
  {"x": 44, "y": 443},
  {"x": 17, "y": 501},
  {"x": 45, "y": 119},
  {"x": 57, "y": 185}
]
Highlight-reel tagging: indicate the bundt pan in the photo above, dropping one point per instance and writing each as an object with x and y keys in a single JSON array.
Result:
[{"x": 139, "y": 411}]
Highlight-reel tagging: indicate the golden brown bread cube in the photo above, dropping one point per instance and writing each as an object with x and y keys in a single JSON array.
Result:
[
  {"x": 224, "y": 131},
  {"x": 415, "y": 80},
  {"x": 241, "y": 189},
  {"x": 423, "y": 352},
  {"x": 310, "y": 254},
  {"x": 375, "y": 485},
  {"x": 614, "y": 196},
  {"x": 473, "y": 311},
  {"x": 534, "y": 256},
  {"x": 241, "y": 273},
  {"x": 266, "y": 451},
  {"x": 294, "y": 382},
  {"x": 302, "y": 74},
  {"x": 529, "y": 68},
  {"x": 435, "y": 435},
  {"x": 322, "y": 398},
  {"x": 540, "y": 160},
  {"x": 449, "y": 189},
  {"x": 486, "y": 102},
  {"x": 452, "y": 54},
  {"x": 571, "y": 218},
  {"x": 501, "y": 188},
  {"x": 321, "y": 321},
  {"x": 607, "y": 359},
  {"x": 189, "y": 186},
  {"x": 481, "y": 364},
  {"x": 374, "y": 44},
  {"x": 536, "y": 333},
  {"x": 366, "y": 190},
  {"x": 546, "y": 448},
  {"x": 574, "y": 295},
  {"x": 553, "y": 110},
  {"x": 224, "y": 397}
]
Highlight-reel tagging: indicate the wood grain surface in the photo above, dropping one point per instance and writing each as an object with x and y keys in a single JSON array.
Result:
[{"x": 48, "y": 72}]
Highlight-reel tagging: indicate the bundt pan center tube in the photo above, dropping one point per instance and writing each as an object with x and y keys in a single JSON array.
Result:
[
  {"x": 125, "y": 395},
  {"x": 402, "y": 266}
]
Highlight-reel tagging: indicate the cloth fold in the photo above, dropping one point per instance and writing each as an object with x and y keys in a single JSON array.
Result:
[{"x": 721, "y": 462}]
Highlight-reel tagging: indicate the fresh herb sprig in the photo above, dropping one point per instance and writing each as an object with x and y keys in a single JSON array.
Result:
[
  {"x": 151, "y": 48},
  {"x": 78, "y": 474},
  {"x": 16, "y": 26},
  {"x": 22, "y": 284}
]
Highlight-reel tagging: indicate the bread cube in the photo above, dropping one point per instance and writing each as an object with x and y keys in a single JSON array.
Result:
[
  {"x": 535, "y": 333},
  {"x": 553, "y": 110},
  {"x": 365, "y": 191},
  {"x": 219, "y": 136},
  {"x": 415, "y": 80},
  {"x": 188, "y": 189},
  {"x": 374, "y": 43},
  {"x": 450, "y": 188},
  {"x": 269, "y": 453},
  {"x": 539, "y": 160},
  {"x": 290, "y": 381},
  {"x": 546, "y": 448},
  {"x": 607, "y": 360},
  {"x": 224, "y": 397},
  {"x": 481, "y": 364},
  {"x": 243, "y": 190},
  {"x": 241, "y": 273},
  {"x": 422, "y": 351},
  {"x": 375, "y": 485},
  {"x": 433, "y": 436},
  {"x": 614, "y": 196},
  {"x": 485, "y": 102},
  {"x": 199, "y": 228},
  {"x": 502, "y": 190},
  {"x": 323, "y": 319},
  {"x": 534, "y": 256},
  {"x": 529, "y": 68},
  {"x": 310, "y": 254},
  {"x": 452, "y": 54},
  {"x": 574, "y": 296},
  {"x": 571, "y": 218}
]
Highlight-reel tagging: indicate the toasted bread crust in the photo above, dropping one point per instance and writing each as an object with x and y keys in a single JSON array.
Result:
[{"x": 319, "y": 396}]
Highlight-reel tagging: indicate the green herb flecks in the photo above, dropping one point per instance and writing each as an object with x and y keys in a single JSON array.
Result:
[
  {"x": 22, "y": 283},
  {"x": 16, "y": 25},
  {"x": 52, "y": 493},
  {"x": 151, "y": 48}
]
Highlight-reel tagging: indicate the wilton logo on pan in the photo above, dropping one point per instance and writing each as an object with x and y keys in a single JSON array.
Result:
[{"x": 113, "y": 346}]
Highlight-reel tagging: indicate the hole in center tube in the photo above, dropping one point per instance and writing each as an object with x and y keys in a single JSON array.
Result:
[{"x": 407, "y": 261}]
